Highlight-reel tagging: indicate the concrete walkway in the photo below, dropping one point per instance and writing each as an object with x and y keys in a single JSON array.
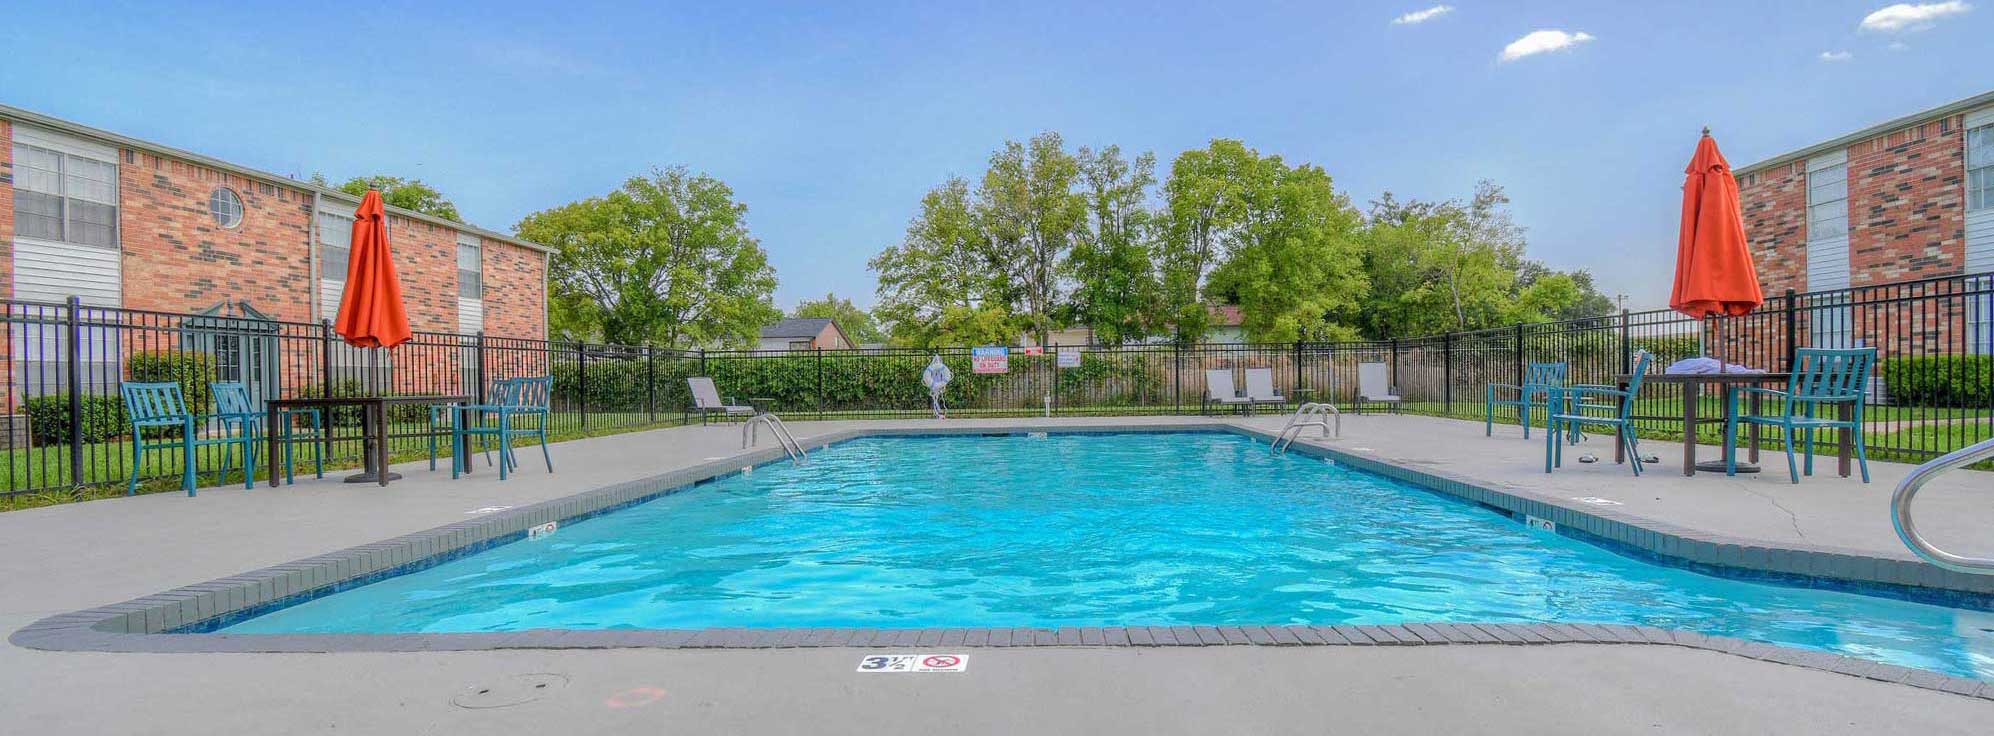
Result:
[{"x": 62, "y": 558}]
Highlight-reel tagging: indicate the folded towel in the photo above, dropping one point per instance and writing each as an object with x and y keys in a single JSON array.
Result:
[{"x": 1691, "y": 366}]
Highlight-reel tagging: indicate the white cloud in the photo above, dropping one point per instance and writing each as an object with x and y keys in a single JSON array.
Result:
[
  {"x": 1836, "y": 56},
  {"x": 1898, "y": 46},
  {"x": 1538, "y": 42},
  {"x": 1906, "y": 17},
  {"x": 1422, "y": 16}
]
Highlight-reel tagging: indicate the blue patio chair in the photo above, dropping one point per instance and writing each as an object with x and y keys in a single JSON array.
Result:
[
  {"x": 238, "y": 413},
  {"x": 1576, "y": 406},
  {"x": 157, "y": 407},
  {"x": 1538, "y": 380},
  {"x": 518, "y": 397},
  {"x": 440, "y": 416},
  {"x": 1821, "y": 378}
]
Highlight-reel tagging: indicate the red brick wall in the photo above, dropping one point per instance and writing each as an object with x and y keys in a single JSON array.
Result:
[
  {"x": 426, "y": 263},
  {"x": 515, "y": 291},
  {"x": 178, "y": 259},
  {"x": 1907, "y": 205},
  {"x": 1773, "y": 204}
]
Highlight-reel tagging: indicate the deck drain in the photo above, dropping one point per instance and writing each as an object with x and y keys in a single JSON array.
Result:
[{"x": 511, "y": 691}]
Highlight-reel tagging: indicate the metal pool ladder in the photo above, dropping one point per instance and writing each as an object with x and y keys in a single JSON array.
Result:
[
  {"x": 750, "y": 436},
  {"x": 1308, "y": 415},
  {"x": 1900, "y": 509}
]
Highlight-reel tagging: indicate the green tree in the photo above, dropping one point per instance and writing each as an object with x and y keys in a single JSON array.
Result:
[
  {"x": 857, "y": 323},
  {"x": 1030, "y": 215},
  {"x": 1203, "y": 215},
  {"x": 1295, "y": 265},
  {"x": 408, "y": 194},
  {"x": 666, "y": 259},
  {"x": 942, "y": 284},
  {"x": 1115, "y": 289},
  {"x": 1441, "y": 266}
]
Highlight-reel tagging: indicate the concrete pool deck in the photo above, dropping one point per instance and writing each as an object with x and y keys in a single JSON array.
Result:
[{"x": 77, "y": 556}]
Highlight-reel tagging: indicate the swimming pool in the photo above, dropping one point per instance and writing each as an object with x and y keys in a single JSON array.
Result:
[{"x": 1096, "y": 530}]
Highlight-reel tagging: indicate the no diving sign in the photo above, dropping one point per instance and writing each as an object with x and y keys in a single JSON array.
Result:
[{"x": 914, "y": 663}]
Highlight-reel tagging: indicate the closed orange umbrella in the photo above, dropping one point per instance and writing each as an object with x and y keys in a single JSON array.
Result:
[
  {"x": 370, "y": 312},
  {"x": 1714, "y": 273}
]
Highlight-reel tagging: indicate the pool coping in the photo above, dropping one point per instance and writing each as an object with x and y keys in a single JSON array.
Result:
[{"x": 152, "y": 623}]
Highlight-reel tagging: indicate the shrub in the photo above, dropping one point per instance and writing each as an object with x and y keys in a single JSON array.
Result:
[
  {"x": 1939, "y": 380},
  {"x": 48, "y": 418},
  {"x": 194, "y": 371}
]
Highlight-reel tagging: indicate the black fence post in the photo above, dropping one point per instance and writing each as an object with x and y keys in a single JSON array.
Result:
[
  {"x": 483, "y": 378},
  {"x": 325, "y": 358},
  {"x": 1395, "y": 365},
  {"x": 1298, "y": 366},
  {"x": 651, "y": 382},
  {"x": 820, "y": 383},
  {"x": 1519, "y": 353},
  {"x": 582, "y": 379},
  {"x": 1792, "y": 328},
  {"x": 1177, "y": 374},
  {"x": 1626, "y": 345},
  {"x": 1447, "y": 372},
  {"x": 74, "y": 356}
]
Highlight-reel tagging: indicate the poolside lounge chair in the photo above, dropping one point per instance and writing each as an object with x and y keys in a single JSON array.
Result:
[
  {"x": 1822, "y": 380},
  {"x": 706, "y": 400},
  {"x": 1374, "y": 386},
  {"x": 1260, "y": 388},
  {"x": 1219, "y": 390}
]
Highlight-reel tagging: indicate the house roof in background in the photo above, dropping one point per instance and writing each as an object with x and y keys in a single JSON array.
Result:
[
  {"x": 1227, "y": 315},
  {"x": 797, "y": 327}
]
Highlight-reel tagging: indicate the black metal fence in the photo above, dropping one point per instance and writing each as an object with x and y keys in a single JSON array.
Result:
[{"x": 1934, "y": 390}]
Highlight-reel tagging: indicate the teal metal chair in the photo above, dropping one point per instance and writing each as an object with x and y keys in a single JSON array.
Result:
[
  {"x": 1821, "y": 379},
  {"x": 156, "y": 407},
  {"x": 1575, "y": 407},
  {"x": 518, "y": 398},
  {"x": 238, "y": 413},
  {"x": 440, "y": 417},
  {"x": 1538, "y": 381}
]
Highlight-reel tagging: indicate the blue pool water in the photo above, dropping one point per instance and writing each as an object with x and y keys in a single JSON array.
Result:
[{"x": 1097, "y": 530}]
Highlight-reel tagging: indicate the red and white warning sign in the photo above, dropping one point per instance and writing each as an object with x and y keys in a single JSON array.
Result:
[{"x": 914, "y": 663}]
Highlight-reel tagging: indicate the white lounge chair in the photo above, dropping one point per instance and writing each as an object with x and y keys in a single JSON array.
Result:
[
  {"x": 706, "y": 400},
  {"x": 1374, "y": 386},
  {"x": 1260, "y": 388},
  {"x": 1219, "y": 390}
]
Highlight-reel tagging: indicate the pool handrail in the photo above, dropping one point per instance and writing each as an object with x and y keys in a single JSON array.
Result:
[
  {"x": 1312, "y": 414},
  {"x": 751, "y": 436},
  {"x": 1907, "y": 489}
]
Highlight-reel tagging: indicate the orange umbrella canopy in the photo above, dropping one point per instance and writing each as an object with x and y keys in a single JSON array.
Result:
[
  {"x": 1714, "y": 273},
  {"x": 370, "y": 312}
]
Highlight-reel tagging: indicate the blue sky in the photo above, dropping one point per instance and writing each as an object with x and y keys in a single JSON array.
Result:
[{"x": 830, "y": 122}]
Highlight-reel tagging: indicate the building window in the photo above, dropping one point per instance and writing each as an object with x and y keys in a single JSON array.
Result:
[
  {"x": 1827, "y": 202},
  {"x": 1980, "y": 315},
  {"x": 335, "y": 240},
  {"x": 1980, "y": 168},
  {"x": 64, "y": 197},
  {"x": 470, "y": 269},
  {"x": 226, "y": 207}
]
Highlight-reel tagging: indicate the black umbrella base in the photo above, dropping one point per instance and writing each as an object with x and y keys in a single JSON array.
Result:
[
  {"x": 370, "y": 477},
  {"x": 1717, "y": 466}
]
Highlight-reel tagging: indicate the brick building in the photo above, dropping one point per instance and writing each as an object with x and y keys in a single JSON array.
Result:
[
  {"x": 1908, "y": 203},
  {"x": 124, "y": 223}
]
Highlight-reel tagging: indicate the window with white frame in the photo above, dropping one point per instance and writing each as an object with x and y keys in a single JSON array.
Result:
[
  {"x": 335, "y": 242},
  {"x": 1827, "y": 202},
  {"x": 470, "y": 268},
  {"x": 63, "y": 197},
  {"x": 1980, "y": 168},
  {"x": 1980, "y": 315}
]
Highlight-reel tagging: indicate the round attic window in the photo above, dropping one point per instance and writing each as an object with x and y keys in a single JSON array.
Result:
[{"x": 226, "y": 206}]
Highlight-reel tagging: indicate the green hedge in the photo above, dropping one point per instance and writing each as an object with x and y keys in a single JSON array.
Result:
[
  {"x": 194, "y": 371},
  {"x": 1943, "y": 380},
  {"x": 48, "y": 418}
]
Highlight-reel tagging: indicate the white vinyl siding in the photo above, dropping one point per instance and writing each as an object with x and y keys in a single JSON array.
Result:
[
  {"x": 65, "y": 219},
  {"x": 470, "y": 284},
  {"x": 470, "y": 315},
  {"x": 335, "y": 238},
  {"x": 1980, "y": 229},
  {"x": 1828, "y": 247}
]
